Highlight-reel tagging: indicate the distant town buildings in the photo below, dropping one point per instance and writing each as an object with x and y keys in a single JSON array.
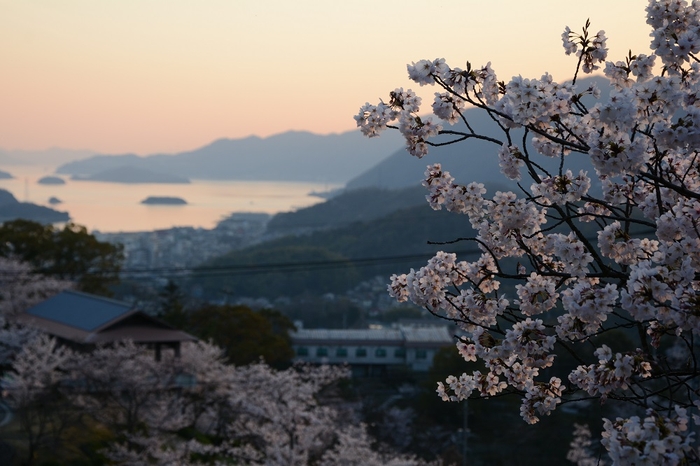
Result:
[{"x": 184, "y": 247}]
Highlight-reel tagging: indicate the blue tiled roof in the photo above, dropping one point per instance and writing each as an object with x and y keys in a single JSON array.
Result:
[{"x": 79, "y": 310}]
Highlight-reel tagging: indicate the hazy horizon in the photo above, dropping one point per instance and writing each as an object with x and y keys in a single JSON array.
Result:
[
  {"x": 9, "y": 150},
  {"x": 165, "y": 77},
  {"x": 118, "y": 207}
]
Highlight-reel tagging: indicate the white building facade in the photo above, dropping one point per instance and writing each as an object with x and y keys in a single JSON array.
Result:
[{"x": 371, "y": 351}]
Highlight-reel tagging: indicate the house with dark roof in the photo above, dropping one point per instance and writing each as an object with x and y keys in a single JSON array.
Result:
[{"x": 83, "y": 321}]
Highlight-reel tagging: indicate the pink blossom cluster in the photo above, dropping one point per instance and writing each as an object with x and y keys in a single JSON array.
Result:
[
  {"x": 512, "y": 361},
  {"x": 580, "y": 452},
  {"x": 676, "y": 31},
  {"x": 587, "y": 307},
  {"x": 256, "y": 414},
  {"x": 563, "y": 188},
  {"x": 534, "y": 101},
  {"x": 609, "y": 251},
  {"x": 590, "y": 50},
  {"x": 611, "y": 372},
  {"x": 655, "y": 439},
  {"x": 511, "y": 161}
]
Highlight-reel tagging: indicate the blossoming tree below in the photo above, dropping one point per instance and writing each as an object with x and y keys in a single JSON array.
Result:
[{"x": 639, "y": 272}]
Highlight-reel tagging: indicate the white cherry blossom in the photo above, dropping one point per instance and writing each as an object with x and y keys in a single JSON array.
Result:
[{"x": 572, "y": 254}]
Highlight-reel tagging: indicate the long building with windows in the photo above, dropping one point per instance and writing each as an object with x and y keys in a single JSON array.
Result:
[{"x": 371, "y": 351}]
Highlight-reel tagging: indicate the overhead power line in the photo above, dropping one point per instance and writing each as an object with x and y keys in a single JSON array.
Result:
[
  {"x": 281, "y": 267},
  {"x": 241, "y": 269},
  {"x": 285, "y": 267}
]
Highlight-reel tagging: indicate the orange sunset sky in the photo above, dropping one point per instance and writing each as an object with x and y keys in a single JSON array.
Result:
[{"x": 150, "y": 76}]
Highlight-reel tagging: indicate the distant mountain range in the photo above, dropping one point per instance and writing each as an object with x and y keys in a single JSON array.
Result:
[
  {"x": 291, "y": 156},
  {"x": 49, "y": 157}
]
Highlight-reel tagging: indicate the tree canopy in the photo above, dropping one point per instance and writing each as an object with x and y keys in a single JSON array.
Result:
[
  {"x": 67, "y": 253},
  {"x": 245, "y": 335}
]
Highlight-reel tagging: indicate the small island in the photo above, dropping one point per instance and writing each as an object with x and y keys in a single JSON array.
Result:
[
  {"x": 55, "y": 180},
  {"x": 5, "y": 176},
  {"x": 163, "y": 200},
  {"x": 54, "y": 200}
]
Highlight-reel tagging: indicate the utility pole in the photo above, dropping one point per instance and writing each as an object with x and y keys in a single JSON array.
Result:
[{"x": 465, "y": 429}]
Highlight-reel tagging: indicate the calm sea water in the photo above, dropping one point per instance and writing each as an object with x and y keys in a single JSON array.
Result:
[{"x": 114, "y": 207}]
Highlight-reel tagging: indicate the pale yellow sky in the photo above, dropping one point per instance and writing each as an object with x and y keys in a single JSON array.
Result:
[{"x": 149, "y": 76}]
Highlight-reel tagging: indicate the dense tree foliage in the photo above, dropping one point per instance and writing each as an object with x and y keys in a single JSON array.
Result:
[
  {"x": 171, "y": 305},
  {"x": 360, "y": 205},
  {"x": 68, "y": 253},
  {"x": 21, "y": 288},
  {"x": 245, "y": 335}
]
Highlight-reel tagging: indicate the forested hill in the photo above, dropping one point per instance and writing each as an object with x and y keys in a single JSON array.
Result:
[
  {"x": 359, "y": 205},
  {"x": 335, "y": 260}
]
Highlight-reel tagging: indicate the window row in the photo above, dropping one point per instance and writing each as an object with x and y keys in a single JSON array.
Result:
[{"x": 360, "y": 352}]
